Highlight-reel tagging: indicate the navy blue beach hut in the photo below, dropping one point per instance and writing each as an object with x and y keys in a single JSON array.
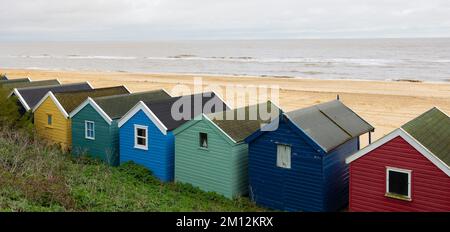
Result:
[
  {"x": 300, "y": 166},
  {"x": 146, "y": 131}
]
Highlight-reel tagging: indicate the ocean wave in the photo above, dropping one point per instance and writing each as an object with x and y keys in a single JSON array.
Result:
[{"x": 101, "y": 57}]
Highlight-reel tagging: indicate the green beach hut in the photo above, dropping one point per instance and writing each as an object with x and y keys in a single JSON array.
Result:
[
  {"x": 210, "y": 152},
  {"x": 94, "y": 123}
]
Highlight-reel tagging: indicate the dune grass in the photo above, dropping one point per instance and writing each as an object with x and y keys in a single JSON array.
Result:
[{"x": 34, "y": 177}]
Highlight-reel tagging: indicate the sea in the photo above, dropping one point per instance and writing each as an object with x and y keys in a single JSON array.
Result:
[{"x": 426, "y": 59}]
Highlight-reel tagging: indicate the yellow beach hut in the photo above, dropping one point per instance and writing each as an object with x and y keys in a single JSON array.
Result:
[{"x": 51, "y": 114}]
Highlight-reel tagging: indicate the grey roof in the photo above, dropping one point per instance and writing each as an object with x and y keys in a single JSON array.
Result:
[
  {"x": 24, "y": 84},
  {"x": 432, "y": 130},
  {"x": 243, "y": 123},
  {"x": 6, "y": 81},
  {"x": 163, "y": 109},
  {"x": 329, "y": 124},
  {"x": 32, "y": 95},
  {"x": 3, "y": 77},
  {"x": 118, "y": 105}
]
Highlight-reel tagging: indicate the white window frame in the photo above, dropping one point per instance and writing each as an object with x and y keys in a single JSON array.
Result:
[
  {"x": 406, "y": 171},
  {"x": 86, "y": 135},
  {"x": 136, "y": 145},
  {"x": 290, "y": 157}
]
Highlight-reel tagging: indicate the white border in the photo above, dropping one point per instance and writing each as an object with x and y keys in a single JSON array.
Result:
[
  {"x": 127, "y": 89},
  {"x": 401, "y": 171},
  {"x": 55, "y": 100},
  {"x": 89, "y": 83},
  {"x": 408, "y": 138},
  {"x": 142, "y": 106},
  {"x": 19, "y": 96},
  {"x": 90, "y": 101},
  {"x": 136, "y": 145},
  {"x": 86, "y": 130}
]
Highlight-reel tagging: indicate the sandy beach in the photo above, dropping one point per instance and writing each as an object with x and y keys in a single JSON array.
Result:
[{"x": 384, "y": 104}]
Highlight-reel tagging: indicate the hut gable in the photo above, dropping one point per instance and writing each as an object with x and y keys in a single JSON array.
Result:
[
  {"x": 429, "y": 134},
  {"x": 29, "y": 97}
]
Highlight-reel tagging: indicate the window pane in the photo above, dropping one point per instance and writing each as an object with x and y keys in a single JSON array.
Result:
[
  {"x": 203, "y": 140},
  {"x": 141, "y": 141},
  {"x": 49, "y": 119},
  {"x": 141, "y": 132},
  {"x": 398, "y": 183},
  {"x": 283, "y": 156}
]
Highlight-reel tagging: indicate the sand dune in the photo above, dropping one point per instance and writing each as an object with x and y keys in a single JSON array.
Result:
[{"x": 386, "y": 105}]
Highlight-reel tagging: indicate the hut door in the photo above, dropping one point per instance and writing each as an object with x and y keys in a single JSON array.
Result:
[{"x": 284, "y": 163}]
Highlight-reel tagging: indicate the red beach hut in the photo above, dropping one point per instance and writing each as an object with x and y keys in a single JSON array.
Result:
[{"x": 407, "y": 170}]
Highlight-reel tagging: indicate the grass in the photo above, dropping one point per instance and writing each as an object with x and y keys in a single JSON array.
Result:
[{"x": 34, "y": 177}]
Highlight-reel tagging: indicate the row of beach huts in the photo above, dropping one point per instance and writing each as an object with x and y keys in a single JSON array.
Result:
[{"x": 304, "y": 160}]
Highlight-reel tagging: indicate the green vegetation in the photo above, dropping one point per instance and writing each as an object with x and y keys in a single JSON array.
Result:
[
  {"x": 9, "y": 113},
  {"x": 35, "y": 177}
]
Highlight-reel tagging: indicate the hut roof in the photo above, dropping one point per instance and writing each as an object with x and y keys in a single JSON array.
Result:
[
  {"x": 9, "y": 81},
  {"x": 118, "y": 105},
  {"x": 163, "y": 109},
  {"x": 31, "y": 96},
  {"x": 23, "y": 84},
  {"x": 70, "y": 100},
  {"x": 329, "y": 124},
  {"x": 432, "y": 130},
  {"x": 240, "y": 123}
]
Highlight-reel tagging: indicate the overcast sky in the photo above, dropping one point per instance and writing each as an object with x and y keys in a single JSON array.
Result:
[{"x": 221, "y": 19}]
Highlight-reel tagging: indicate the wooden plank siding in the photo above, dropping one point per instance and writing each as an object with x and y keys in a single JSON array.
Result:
[
  {"x": 159, "y": 158},
  {"x": 209, "y": 169},
  {"x": 105, "y": 145},
  {"x": 60, "y": 130},
  {"x": 430, "y": 187}
]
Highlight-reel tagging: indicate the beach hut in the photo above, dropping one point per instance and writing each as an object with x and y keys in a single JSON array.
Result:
[
  {"x": 3, "y": 77},
  {"x": 406, "y": 170},
  {"x": 300, "y": 166},
  {"x": 146, "y": 131},
  {"x": 210, "y": 152},
  {"x": 27, "y": 98},
  {"x": 94, "y": 123},
  {"x": 51, "y": 113},
  {"x": 18, "y": 80},
  {"x": 22, "y": 84}
]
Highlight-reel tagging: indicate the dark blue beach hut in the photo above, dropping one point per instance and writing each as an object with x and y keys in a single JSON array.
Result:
[{"x": 301, "y": 166}]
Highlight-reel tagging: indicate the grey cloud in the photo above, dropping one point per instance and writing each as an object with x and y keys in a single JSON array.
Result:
[{"x": 171, "y": 19}]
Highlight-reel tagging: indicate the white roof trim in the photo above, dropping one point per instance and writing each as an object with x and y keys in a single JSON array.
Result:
[
  {"x": 408, "y": 138},
  {"x": 142, "y": 106},
  {"x": 29, "y": 79},
  {"x": 96, "y": 107},
  {"x": 55, "y": 100},
  {"x": 226, "y": 104},
  {"x": 89, "y": 83},
  {"x": 166, "y": 92},
  {"x": 127, "y": 88},
  {"x": 19, "y": 96},
  {"x": 220, "y": 129},
  {"x": 59, "y": 82}
]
